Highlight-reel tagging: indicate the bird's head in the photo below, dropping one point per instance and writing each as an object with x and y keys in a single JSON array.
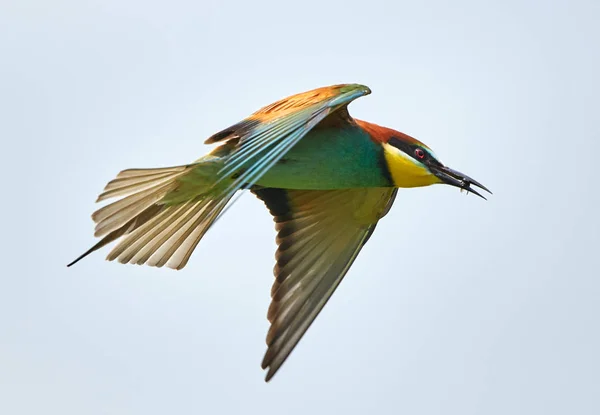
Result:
[{"x": 413, "y": 164}]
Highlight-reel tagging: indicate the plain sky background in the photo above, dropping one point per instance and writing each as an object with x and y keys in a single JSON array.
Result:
[{"x": 456, "y": 305}]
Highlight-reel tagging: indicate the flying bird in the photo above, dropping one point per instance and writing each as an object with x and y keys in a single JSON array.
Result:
[{"x": 326, "y": 178}]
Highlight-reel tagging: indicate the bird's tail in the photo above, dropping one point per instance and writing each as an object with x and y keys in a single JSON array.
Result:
[{"x": 161, "y": 215}]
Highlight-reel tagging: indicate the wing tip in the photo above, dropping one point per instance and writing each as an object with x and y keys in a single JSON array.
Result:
[
  {"x": 269, "y": 376},
  {"x": 352, "y": 87},
  {"x": 268, "y": 366}
]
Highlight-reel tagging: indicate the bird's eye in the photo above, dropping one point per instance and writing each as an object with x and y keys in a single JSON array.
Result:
[{"x": 419, "y": 153}]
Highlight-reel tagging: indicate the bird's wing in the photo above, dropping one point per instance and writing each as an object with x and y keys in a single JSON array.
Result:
[
  {"x": 320, "y": 233},
  {"x": 264, "y": 137}
]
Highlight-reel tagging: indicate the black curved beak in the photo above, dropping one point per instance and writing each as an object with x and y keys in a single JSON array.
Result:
[{"x": 457, "y": 179}]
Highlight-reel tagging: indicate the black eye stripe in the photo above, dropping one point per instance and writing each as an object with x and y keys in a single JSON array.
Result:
[
  {"x": 408, "y": 148},
  {"x": 400, "y": 145}
]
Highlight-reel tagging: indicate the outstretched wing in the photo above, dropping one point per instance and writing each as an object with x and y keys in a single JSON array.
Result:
[
  {"x": 320, "y": 233},
  {"x": 263, "y": 138}
]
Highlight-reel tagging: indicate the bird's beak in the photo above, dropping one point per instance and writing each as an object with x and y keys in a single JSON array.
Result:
[{"x": 457, "y": 179}]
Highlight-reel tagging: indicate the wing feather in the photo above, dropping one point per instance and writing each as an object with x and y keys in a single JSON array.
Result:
[
  {"x": 268, "y": 134},
  {"x": 320, "y": 233}
]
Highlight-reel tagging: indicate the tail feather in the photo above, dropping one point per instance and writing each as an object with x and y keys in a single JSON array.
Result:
[
  {"x": 176, "y": 251},
  {"x": 161, "y": 236},
  {"x": 153, "y": 170},
  {"x": 114, "y": 235},
  {"x": 128, "y": 185},
  {"x": 115, "y": 215},
  {"x": 153, "y": 229},
  {"x": 134, "y": 242},
  {"x": 142, "y": 188}
]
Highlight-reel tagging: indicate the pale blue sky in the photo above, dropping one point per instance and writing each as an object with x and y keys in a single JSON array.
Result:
[{"x": 456, "y": 305}]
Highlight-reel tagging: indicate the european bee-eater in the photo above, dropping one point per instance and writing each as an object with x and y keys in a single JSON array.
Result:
[{"x": 326, "y": 178}]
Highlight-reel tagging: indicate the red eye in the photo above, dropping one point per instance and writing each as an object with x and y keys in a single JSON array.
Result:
[{"x": 419, "y": 153}]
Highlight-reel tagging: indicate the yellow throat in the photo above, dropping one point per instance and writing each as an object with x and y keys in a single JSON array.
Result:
[{"x": 406, "y": 171}]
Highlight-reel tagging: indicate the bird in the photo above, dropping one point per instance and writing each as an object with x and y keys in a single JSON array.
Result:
[{"x": 325, "y": 177}]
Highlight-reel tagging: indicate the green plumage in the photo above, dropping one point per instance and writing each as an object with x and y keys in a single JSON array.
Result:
[
  {"x": 330, "y": 158},
  {"x": 326, "y": 159}
]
